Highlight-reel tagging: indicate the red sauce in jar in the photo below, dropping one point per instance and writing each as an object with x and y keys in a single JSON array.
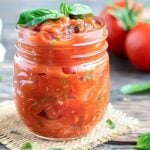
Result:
[{"x": 61, "y": 76}]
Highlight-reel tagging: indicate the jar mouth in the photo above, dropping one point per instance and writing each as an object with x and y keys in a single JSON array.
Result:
[
  {"x": 98, "y": 20},
  {"x": 43, "y": 39},
  {"x": 80, "y": 47}
]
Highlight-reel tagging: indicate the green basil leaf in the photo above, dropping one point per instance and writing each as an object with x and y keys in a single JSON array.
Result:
[
  {"x": 143, "y": 142},
  {"x": 65, "y": 8},
  {"x": 75, "y": 10},
  {"x": 110, "y": 123},
  {"x": 135, "y": 88},
  {"x": 37, "y": 16},
  {"x": 26, "y": 146},
  {"x": 29, "y": 146},
  {"x": 79, "y": 9}
]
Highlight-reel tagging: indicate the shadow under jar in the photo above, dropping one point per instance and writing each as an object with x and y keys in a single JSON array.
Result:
[{"x": 61, "y": 87}]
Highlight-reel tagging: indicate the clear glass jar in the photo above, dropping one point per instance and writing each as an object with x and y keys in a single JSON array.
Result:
[{"x": 61, "y": 87}]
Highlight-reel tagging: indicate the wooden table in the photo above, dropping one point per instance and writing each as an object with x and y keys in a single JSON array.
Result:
[{"x": 121, "y": 73}]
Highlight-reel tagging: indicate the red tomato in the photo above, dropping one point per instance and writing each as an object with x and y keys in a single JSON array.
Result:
[
  {"x": 138, "y": 46},
  {"x": 117, "y": 34}
]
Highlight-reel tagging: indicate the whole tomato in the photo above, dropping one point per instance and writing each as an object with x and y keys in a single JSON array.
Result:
[
  {"x": 118, "y": 27},
  {"x": 138, "y": 46}
]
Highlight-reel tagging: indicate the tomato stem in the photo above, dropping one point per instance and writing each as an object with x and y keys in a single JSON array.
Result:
[
  {"x": 127, "y": 15},
  {"x": 127, "y": 5}
]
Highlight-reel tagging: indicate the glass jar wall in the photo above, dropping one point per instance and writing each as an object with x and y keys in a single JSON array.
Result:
[{"x": 61, "y": 87}]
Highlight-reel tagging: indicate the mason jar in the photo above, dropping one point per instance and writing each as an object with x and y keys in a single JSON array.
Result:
[{"x": 61, "y": 87}]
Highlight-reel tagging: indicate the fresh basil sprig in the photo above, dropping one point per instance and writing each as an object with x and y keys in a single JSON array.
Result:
[
  {"x": 65, "y": 8},
  {"x": 76, "y": 9},
  {"x": 143, "y": 142},
  {"x": 135, "y": 88},
  {"x": 37, "y": 16}
]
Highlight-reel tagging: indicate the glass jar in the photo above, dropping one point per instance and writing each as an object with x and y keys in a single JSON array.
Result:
[{"x": 62, "y": 87}]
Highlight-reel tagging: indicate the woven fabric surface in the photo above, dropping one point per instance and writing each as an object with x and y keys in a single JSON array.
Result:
[{"x": 13, "y": 132}]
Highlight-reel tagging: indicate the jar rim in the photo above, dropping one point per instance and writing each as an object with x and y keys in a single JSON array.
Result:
[
  {"x": 98, "y": 19},
  {"x": 79, "y": 48},
  {"x": 29, "y": 37}
]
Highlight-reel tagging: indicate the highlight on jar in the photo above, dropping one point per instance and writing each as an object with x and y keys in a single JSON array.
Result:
[{"x": 61, "y": 71}]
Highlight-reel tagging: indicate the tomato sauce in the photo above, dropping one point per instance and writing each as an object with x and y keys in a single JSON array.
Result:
[{"x": 61, "y": 76}]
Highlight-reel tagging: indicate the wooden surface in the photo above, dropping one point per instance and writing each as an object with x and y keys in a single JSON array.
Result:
[{"x": 121, "y": 72}]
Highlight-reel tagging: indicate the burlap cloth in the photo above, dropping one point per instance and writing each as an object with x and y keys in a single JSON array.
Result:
[{"x": 10, "y": 122}]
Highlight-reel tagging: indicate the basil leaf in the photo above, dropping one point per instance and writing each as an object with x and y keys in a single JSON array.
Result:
[
  {"x": 143, "y": 142},
  {"x": 29, "y": 146},
  {"x": 135, "y": 88},
  {"x": 79, "y": 9},
  {"x": 26, "y": 146},
  {"x": 75, "y": 10},
  {"x": 65, "y": 8},
  {"x": 37, "y": 16},
  {"x": 110, "y": 123}
]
